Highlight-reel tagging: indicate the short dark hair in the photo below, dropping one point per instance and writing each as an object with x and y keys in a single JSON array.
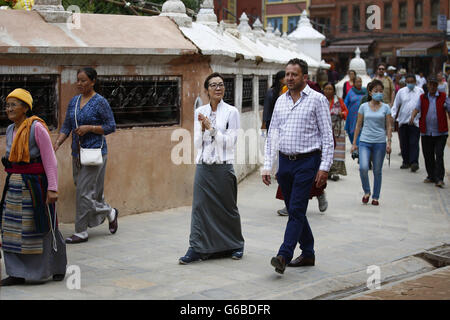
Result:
[
  {"x": 92, "y": 75},
  {"x": 302, "y": 63},
  {"x": 329, "y": 84},
  {"x": 381, "y": 64},
  {"x": 90, "y": 72},
  {"x": 373, "y": 84},
  {"x": 410, "y": 75},
  {"x": 212, "y": 75}
]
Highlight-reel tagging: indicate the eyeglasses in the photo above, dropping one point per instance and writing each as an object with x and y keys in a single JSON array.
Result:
[
  {"x": 381, "y": 69},
  {"x": 216, "y": 85}
]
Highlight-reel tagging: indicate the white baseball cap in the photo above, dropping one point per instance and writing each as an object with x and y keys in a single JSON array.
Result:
[{"x": 392, "y": 68}]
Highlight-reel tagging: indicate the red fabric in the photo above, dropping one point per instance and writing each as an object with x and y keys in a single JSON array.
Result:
[
  {"x": 315, "y": 192},
  {"x": 314, "y": 86},
  {"x": 32, "y": 168},
  {"x": 440, "y": 111},
  {"x": 344, "y": 109},
  {"x": 347, "y": 87}
]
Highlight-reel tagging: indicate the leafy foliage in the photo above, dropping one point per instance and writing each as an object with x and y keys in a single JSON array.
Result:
[
  {"x": 99, "y": 6},
  {"x": 8, "y": 3}
]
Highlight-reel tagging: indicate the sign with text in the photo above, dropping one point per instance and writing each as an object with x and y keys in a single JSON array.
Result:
[{"x": 442, "y": 22}]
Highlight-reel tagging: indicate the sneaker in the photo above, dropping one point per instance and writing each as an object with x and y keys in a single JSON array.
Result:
[
  {"x": 237, "y": 255},
  {"x": 323, "y": 203},
  {"x": 440, "y": 184},
  {"x": 414, "y": 167},
  {"x": 283, "y": 212},
  {"x": 405, "y": 166},
  {"x": 190, "y": 256}
]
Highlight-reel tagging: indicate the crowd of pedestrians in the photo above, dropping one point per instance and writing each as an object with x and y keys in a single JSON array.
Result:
[{"x": 306, "y": 123}]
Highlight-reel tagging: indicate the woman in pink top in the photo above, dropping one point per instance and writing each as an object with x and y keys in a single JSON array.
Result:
[{"x": 33, "y": 247}]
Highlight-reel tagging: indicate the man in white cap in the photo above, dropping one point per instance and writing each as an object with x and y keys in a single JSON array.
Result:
[{"x": 391, "y": 72}]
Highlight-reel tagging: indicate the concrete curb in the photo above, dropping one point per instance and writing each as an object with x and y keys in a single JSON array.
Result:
[
  {"x": 346, "y": 285},
  {"x": 394, "y": 286}
]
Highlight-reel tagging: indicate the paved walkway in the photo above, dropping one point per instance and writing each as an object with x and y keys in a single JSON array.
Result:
[
  {"x": 433, "y": 285},
  {"x": 141, "y": 260}
]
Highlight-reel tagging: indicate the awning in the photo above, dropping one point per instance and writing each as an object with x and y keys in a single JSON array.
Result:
[
  {"x": 348, "y": 49},
  {"x": 348, "y": 46},
  {"x": 417, "y": 49}
]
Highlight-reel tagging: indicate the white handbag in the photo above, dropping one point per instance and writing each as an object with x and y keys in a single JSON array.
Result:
[{"x": 89, "y": 157}]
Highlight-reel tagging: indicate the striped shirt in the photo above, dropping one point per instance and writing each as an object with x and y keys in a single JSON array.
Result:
[{"x": 300, "y": 127}]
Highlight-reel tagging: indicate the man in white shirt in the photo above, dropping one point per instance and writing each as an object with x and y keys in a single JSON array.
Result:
[
  {"x": 420, "y": 80},
  {"x": 405, "y": 102},
  {"x": 300, "y": 131}
]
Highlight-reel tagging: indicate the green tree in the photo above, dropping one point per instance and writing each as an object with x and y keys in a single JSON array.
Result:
[{"x": 99, "y": 6}]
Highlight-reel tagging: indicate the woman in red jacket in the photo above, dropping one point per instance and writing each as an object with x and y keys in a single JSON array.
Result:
[{"x": 338, "y": 112}]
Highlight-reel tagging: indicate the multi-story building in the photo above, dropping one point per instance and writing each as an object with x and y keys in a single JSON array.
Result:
[
  {"x": 403, "y": 33},
  {"x": 231, "y": 10},
  {"x": 284, "y": 14}
]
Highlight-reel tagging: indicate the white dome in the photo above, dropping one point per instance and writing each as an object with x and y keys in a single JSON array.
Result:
[
  {"x": 173, "y": 6},
  {"x": 305, "y": 31},
  {"x": 358, "y": 64}
]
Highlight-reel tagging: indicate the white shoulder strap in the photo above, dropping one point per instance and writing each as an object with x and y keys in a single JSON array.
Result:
[{"x": 76, "y": 122}]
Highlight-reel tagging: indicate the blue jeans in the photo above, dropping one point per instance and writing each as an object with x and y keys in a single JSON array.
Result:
[
  {"x": 376, "y": 151},
  {"x": 295, "y": 179}
]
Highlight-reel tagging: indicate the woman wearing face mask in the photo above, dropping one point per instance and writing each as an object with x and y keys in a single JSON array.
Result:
[{"x": 374, "y": 122}]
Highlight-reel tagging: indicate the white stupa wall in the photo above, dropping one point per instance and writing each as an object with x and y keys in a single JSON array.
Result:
[{"x": 359, "y": 65}]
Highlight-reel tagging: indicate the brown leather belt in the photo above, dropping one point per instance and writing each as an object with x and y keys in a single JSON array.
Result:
[{"x": 298, "y": 156}]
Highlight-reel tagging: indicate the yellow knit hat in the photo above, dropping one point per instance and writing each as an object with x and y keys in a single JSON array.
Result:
[{"x": 23, "y": 95}]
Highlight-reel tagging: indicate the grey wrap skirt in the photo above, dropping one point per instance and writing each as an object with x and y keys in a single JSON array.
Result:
[{"x": 215, "y": 221}]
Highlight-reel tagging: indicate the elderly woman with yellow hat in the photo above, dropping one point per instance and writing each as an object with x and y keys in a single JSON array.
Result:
[{"x": 33, "y": 247}]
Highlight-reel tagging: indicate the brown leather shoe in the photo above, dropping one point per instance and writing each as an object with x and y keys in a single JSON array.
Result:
[
  {"x": 113, "y": 225},
  {"x": 279, "y": 263},
  {"x": 302, "y": 261},
  {"x": 76, "y": 239}
]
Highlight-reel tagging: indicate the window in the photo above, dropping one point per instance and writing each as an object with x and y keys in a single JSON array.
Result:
[
  {"x": 247, "y": 94},
  {"x": 435, "y": 4},
  {"x": 262, "y": 89},
  {"x": 387, "y": 15},
  {"x": 344, "y": 19},
  {"x": 292, "y": 23},
  {"x": 142, "y": 100},
  {"x": 403, "y": 10},
  {"x": 356, "y": 19},
  {"x": 276, "y": 22},
  {"x": 43, "y": 91},
  {"x": 229, "y": 90},
  {"x": 418, "y": 13}
]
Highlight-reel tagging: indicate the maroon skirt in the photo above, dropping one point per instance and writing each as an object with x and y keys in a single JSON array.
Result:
[{"x": 315, "y": 192}]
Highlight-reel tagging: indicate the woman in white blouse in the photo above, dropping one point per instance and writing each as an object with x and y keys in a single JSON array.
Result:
[{"x": 215, "y": 221}]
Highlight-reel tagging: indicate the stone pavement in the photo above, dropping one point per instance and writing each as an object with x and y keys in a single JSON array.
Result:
[
  {"x": 433, "y": 285},
  {"x": 141, "y": 260}
]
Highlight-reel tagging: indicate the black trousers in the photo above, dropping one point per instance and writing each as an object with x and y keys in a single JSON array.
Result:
[
  {"x": 433, "y": 153},
  {"x": 409, "y": 143}
]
